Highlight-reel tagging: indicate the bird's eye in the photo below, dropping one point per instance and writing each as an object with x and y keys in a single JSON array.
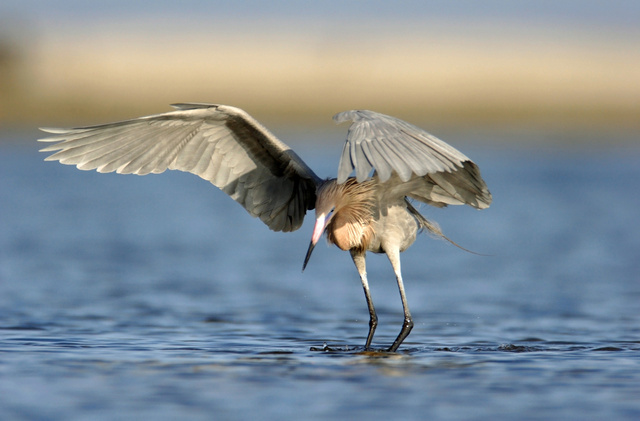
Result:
[{"x": 330, "y": 214}]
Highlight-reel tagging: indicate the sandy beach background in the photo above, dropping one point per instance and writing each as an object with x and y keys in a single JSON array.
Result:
[{"x": 570, "y": 70}]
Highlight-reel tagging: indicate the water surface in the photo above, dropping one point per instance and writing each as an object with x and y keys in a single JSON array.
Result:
[{"x": 157, "y": 297}]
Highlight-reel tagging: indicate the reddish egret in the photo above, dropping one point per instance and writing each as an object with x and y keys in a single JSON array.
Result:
[{"x": 393, "y": 160}]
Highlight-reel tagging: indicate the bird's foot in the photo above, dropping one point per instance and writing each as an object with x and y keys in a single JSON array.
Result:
[{"x": 327, "y": 348}]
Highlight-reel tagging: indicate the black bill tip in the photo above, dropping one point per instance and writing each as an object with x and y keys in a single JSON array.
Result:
[{"x": 306, "y": 259}]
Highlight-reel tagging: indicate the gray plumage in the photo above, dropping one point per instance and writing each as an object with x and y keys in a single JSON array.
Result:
[
  {"x": 392, "y": 159},
  {"x": 221, "y": 144},
  {"x": 386, "y": 144}
]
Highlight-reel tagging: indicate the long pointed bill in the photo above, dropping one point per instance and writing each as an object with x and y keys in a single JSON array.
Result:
[
  {"x": 306, "y": 259},
  {"x": 318, "y": 229}
]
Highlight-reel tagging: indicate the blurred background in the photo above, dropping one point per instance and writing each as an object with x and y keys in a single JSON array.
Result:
[
  {"x": 158, "y": 298},
  {"x": 561, "y": 64}
]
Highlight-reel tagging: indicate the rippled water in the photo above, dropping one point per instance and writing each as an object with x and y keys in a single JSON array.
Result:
[{"x": 157, "y": 297}]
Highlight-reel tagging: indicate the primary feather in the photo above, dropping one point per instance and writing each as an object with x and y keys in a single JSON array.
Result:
[
  {"x": 221, "y": 144},
  {"x": 436, "y": 173}
]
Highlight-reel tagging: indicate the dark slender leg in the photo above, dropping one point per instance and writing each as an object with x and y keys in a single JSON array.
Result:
[
  {"x": 359, "y": 260},
  {"x": 407, "y": 325}
]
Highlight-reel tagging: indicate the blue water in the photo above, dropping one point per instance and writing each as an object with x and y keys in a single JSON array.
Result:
[{"x": 157, "y": 297}]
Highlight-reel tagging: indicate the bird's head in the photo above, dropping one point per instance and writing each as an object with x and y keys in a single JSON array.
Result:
[{"x": 327, "y": 199}]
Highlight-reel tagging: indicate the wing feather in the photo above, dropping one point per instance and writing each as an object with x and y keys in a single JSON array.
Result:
[
  {"x": 414, "y": 162},
  {"x": 222, "y": 144}
]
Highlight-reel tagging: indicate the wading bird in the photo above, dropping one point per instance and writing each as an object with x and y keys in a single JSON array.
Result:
[{"x": 393, "y": 160}]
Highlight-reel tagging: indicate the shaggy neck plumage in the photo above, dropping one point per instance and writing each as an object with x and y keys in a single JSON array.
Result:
[{"x": 350, "y": 226}]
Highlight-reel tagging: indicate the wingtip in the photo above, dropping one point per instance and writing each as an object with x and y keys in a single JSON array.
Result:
[
  {"x": 184, "y": 106},
  {"x": 53, "y": 130},
  {"x": 343, "y": 116},
  {"x": 485, "y": 202}
]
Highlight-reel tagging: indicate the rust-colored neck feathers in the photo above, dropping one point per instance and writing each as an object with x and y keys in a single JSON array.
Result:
[{"x": 351, "y": 225}]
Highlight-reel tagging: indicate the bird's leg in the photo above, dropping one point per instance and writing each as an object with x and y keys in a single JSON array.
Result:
[
  {"x": 359, "y": 260},
  {"x": 407, "y": 325}
]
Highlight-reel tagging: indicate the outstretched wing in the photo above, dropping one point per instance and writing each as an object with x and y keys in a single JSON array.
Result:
[
  {"x": 219, "y": 143},
  {"x": 392, "y": 146}
]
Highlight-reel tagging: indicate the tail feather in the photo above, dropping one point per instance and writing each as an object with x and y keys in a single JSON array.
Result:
[{"x": 434, "y": 229}]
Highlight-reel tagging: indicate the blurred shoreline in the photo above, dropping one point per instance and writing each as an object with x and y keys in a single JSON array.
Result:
[{"x": 568, "y": 80}]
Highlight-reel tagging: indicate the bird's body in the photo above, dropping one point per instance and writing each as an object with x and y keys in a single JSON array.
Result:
[
  {"x": 371, "y": 216},
  {"x": 371, "y": 212},
  {"x": 363, "y": 212}
]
